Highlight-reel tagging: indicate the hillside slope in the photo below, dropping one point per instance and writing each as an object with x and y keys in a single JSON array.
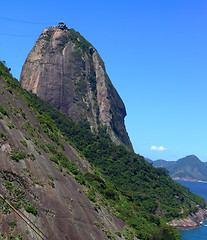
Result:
[
  {"x": 66, "y": 71},
  {"x": 61, "y": 174},
  {"x": 33, "y": 179}
]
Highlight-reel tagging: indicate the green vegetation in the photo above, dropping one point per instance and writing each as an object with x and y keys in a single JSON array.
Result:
[
  {"x": 11, "y": 125},
  {"x": 9, "y": 89},
  {"x": 145, "y": 197},
  {"x": 51, "y": 180},
  {"x": 12, "y": 224},
  {"x": 15, "y": 192},
  {"x": 11, "y": 237},
  {"x": 47, "y": 36},
  {"x": 3, "y": 236},
  {"x": 31, "y": 209},
  {"x": 118, "y": 234},
  {"x": 69, "y": 35},
  {"x": 60, "y": 159},
  {"x": 97, "y": 225},
  {"x": 20, "y": 236},
  {"x": 18, "y": 155},
  {"x": 23, "y": 113},
  {"x": 3, "y": 110},
  {"x": 79, "y": 41},
  {"x": 6, "y": 75},
  {"x": 92, "y": 80},
  {"x": 23, "y": 142},
  {"x": 108, "y": 233},
  {"x": 29, "y": 128},
  {"x": 3, "y": 136}
]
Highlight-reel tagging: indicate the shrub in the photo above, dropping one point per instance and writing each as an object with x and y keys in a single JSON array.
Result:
[
  {"x": 3, "y": 110},
  {"x": 9, "y": 186},
  {"x": 18, "y": 155},
  {"x": 12, "y": 224},
  {"x": 108, "y": 233},
  {"x": 23, "y": 142},
  {"x": 51, "y": 183},
  {"x": 9, "y": 89},
  {"x": 23, "y": 115},
  {"x": 31, "y": 156},
  {"x": 20, "y": 236},
  {"x": 11, "y": 236},
  {"x": 3, "y": 136},
  {"x": 31, "y": 209},
  {"x": 11, "y": 125},
  {"x": 118, "y": 234}
]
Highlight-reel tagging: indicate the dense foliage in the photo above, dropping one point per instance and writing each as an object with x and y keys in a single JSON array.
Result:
[{"x": 144, "y": 196}]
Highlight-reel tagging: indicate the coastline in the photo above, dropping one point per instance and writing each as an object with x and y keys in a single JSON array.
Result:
[
  {"x": 193, "y": 220},
  {"x": 189, "y": 180}
]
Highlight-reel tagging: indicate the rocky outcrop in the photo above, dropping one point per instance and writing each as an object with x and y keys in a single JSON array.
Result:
[
  {"x": 67, "y": 71},
  {"x": 193, "y": 220}
]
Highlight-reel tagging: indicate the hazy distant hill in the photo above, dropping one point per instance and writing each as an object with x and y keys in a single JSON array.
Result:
[{"x": 189, "y": 167}]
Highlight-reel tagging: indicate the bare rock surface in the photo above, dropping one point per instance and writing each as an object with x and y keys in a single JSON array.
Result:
[
  {"x": 67, "y": 71},
  {"x": 193, "y": 220},
  {"x": 63, "y": 209}
]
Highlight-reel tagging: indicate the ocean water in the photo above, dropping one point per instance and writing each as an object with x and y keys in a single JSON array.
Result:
[{"x": 199, "y": 188}]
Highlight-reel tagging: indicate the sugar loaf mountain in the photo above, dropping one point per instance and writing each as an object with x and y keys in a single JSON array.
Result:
[
  {"x": 68, "y": 169},
  {"x": 68, "y": 73}
]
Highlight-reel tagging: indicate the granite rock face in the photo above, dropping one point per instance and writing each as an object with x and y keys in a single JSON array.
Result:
[
  {"x": 67, "y": 71},
  {"x": 63, "y": 209},
  {"x": 193, "y": 221}
]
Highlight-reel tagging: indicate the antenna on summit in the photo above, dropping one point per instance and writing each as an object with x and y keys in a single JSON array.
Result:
[{"x": 62, "y": 25}]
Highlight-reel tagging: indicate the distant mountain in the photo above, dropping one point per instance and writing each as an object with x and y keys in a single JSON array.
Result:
[
  {"x": 189, "y": 167},
  {"x": 162, "y": 163},
  {"x": 149, "y": 160}
]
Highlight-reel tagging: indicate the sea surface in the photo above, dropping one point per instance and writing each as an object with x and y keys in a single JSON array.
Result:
[{"x": 199, "y": 188}]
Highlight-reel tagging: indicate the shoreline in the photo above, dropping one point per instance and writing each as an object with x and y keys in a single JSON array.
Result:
[
  {"x": 193, "y": 221},
  {"x": 188, "y": 180}
]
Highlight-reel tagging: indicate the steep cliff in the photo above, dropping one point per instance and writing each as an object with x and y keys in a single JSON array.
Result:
[{"x": 67, "y": 71}]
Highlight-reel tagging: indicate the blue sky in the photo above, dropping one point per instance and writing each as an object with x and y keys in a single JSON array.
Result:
[{"x": 155, "y": 54}]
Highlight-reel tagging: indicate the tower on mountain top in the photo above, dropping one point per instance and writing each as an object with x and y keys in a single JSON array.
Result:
[{"x": 62, "y": 25}]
